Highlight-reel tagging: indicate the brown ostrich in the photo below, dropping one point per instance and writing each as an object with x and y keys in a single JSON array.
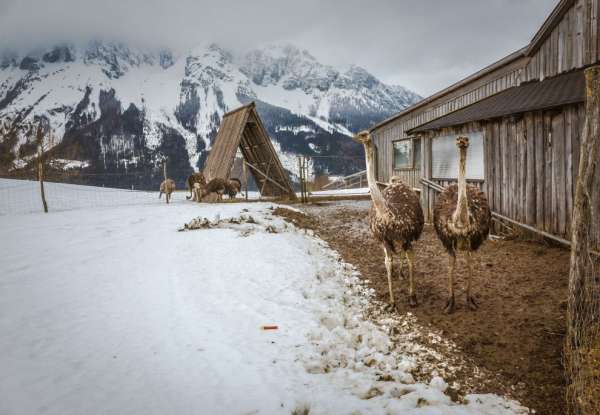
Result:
[
  {"x": 462, "y": 222},
  {"x": 167, "y": 187},
  {"x": 233, "y": 186},
  {"x": 396, "y": 218},
  {"x": 217, "y": 186},
  {"x": 192, "y": 179}
]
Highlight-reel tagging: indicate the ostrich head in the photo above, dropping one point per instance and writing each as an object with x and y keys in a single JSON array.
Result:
[
  {"x": 462, "y": 142},
  {"x": 364, "y": 138}
]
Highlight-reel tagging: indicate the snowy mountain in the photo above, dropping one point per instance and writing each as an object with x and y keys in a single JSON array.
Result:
[{"x": 119, "y": 109}]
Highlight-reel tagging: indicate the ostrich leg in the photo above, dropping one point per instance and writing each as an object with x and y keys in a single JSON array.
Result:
[
  {"x": 412, "y": 298},
  {"x": 401, "y": 266},
  {"x": 389, "y": 267},
  {"x": 470, "y": 300},
  {"x": 450, "y": 303}
]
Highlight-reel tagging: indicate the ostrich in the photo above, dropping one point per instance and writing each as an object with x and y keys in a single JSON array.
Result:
[
  {"x": 461, "y": 219},
  {"x": 192, "y": 179},
  {"x": 396, "y": 218},
  {"x": 217, "y": 186},
  {"x": 167, "y": 187},
  {"x": 233, "y": 187}
]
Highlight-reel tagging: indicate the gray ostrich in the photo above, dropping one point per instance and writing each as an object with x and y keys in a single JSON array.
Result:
[
  {"x": 396, "y": 218},
  {"x": 461, "y": 218}
]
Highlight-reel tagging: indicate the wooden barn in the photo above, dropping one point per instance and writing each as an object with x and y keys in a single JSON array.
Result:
[{"x": 524, "y": 116}]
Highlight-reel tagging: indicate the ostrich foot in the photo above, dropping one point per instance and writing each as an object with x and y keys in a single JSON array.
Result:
[
  {"x": 449, "y": 306},
  {"x": 473, "y": 305},
  {"x": 412, "y": 300}
]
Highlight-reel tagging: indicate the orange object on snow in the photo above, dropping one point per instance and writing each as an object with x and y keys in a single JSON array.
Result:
[{"x": 269, "y": 327}]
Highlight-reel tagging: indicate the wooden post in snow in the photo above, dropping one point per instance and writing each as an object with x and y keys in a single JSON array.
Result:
[
  {"x": 40, "y": 165},
  {"x": 245, "y": 177},
  {"x": 583, "y": 310},
  {"x": 165, "y": 168}
]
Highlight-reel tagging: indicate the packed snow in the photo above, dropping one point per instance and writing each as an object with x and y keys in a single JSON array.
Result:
[{"x": 111, "y": 310}]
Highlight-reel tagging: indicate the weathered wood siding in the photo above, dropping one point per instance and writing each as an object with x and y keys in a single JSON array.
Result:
[
  {"x": 503, "y": 78},
  {"x": 531, "y": 160},
  {"x": 410, "y": 177},
  {"x": 531, "y": 165},
  {"x": 573, "y": 43}
]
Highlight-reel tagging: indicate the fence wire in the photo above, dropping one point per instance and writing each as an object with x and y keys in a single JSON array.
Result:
[
  {"x": 23, "y": 196},
  {"x": 582, "y": 348}
]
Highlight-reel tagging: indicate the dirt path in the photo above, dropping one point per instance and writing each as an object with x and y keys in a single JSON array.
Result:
[{"x": 518, "y": 331}]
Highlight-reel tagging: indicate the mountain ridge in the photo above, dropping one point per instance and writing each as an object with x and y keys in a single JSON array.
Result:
[{"x": 117, "y": 108}]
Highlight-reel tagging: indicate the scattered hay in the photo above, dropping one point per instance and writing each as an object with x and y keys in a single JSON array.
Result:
[
  {"x": 301, "y": 410},
  {"x": 205, "y": 223}
]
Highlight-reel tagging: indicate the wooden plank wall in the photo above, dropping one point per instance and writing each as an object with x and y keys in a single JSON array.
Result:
[
  {"x": 531, "y": 167},
  {"x": 410, "y": 177},
  {"x": 573, "y": 43},
  {"x": 503, "y": 78},
  {"x": 225, "y": 145}
]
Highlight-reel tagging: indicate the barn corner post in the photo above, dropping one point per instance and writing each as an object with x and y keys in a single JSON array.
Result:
[
  {"x": 40, "y": 165},
  {"x": 582, "y": 344}
]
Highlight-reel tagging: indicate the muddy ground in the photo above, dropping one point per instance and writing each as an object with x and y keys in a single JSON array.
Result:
[{"x": 517, "y": 333}]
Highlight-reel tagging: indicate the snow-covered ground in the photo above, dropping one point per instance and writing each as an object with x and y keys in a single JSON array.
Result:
[{"x": 111, "y": 310}]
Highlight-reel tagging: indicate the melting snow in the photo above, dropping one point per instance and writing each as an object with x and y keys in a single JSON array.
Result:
[{"x": 111, "y": 310}]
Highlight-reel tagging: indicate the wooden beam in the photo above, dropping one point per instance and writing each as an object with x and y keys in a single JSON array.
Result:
[
  {"x": 265, "y": 182},
  {"x": 256, "y": 169}
]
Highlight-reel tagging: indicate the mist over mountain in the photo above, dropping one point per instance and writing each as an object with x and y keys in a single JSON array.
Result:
[{"x": 114, "y": 108}]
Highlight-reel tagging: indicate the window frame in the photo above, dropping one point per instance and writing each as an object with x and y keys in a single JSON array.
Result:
[
  {"x": 472, "y": 135},
  {"x": 411, "y": 164}
]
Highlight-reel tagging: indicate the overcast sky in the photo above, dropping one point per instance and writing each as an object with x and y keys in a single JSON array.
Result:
[{"x": 424, "y": 45}]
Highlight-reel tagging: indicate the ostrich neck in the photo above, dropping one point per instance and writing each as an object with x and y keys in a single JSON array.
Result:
[
  {"x": 376, "y": 195},
  {"x": 461, "y": 214}
]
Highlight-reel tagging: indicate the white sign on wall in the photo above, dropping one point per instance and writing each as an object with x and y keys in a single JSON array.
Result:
[{"x": 445, "y": 157}]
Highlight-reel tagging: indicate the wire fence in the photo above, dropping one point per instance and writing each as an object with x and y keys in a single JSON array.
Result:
[{"x": 19, "y": 196}]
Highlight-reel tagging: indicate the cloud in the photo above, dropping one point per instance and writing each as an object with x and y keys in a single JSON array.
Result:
[{"x": 423, "y": 45}]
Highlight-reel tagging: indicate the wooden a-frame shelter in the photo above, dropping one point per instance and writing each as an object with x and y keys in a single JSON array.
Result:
[{"x": 242, "y": 128}]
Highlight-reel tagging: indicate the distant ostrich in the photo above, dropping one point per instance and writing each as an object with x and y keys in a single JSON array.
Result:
[
  {"x": 197, "y": 192},
  {"x": 217, "y": 186},
  {"x": 462, "y": 222},
  {"x": 233, "y": 187},
  {"x": 192, "y": 179},
  {"x": 167, "y": 187},
  {"x": 396, "y": 218}
]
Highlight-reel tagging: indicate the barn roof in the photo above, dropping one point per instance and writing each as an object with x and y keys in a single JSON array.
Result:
[
  {"x": 564, "y": 89},
  {"x": 242, "y": 128},
  {"x": 471, "y": 78},
  {"x": 561, "y": 8}
]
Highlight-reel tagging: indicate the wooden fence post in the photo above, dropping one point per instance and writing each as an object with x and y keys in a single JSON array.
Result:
[
  {"x": 582, "y": 345},
  {"x": 40, "y": 165},
  {"x": 41, "y": 179}
]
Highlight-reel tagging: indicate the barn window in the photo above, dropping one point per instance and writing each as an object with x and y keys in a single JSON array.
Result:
[
  {"x": 444, "y": 157},
  {"x": 402, "y": 154},
  {"x": 407, "y": 154}
]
